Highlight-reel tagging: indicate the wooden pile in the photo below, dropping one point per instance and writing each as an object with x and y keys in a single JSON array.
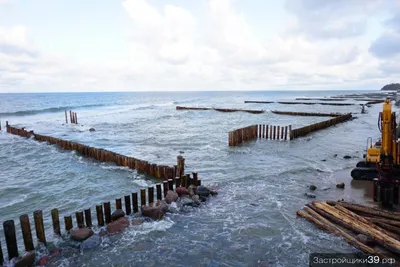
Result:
[
  {"x": 316, "y": 103},
  {"x": 221, "y": 109},
  {"x": 349, "y": 220},
  {"x": 313, "y": 114}
]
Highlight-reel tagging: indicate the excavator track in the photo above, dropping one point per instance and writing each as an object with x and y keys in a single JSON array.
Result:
[
  {"x": 364, "y": 173},
  {"x": 364, "y": 164}
]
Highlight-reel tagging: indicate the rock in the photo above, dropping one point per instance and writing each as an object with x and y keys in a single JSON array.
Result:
[
  {"x": 196, "y": 200},
  {"x": 43, "y": 261},
  {"x": 102, "y": 232},
  {"x": 187, "y": 202},
  {"x": 191, "y": 190},
  {"x": 26, "y": 260},
  {"x": 340, "y": 185},
  {"x": 203, "y": 199},
  {"x": 92, "y": 242},
  {"x": 347, "y": 157},
  {"x": 182, "y": 152},
  {"x": 92, "y": 130},
  {"x": 309, "y": 195},
  {"x": 213, "y": 192},
  {"x": 80, "y": 234},
  {"x": 365, "y": 240},
  {"x": 117, "y": 214},
  {"x": 138, "y": 221},
  {"x": 312, "y": 187},
  {"x": 155, "y": 210},
  {"x": 203, "y": 191},
  {"x": 118, "y": 225},
  {"x": 323, "y": 159},
  {"x": 182, "y": 191},
  {"x": 171, "y": 197},
  {"x": 335, "y": 155}
]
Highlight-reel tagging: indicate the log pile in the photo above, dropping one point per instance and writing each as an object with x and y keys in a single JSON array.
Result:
[{"x": 372, "y": 230}]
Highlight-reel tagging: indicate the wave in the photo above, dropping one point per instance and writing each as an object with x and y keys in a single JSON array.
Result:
[{"x": 47, "y": 110}]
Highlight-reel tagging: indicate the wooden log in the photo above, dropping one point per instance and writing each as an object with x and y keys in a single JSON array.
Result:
[
  {"x": 382, "y": 239},
  {"x": 158, "y": 189},
  {"x": 367, "y": 210},
  {"x": 107, "y": 212},
  {"x": 88, "y": 217},
  {"x": 11, "y": 239},
  {"x": 68, "y": 223},
  {"x": 388, "y": 227},
  {"x": 151, "y": 194},
  {"x": 38, "y": 218},
  {"x": 330, "y": 227},
  {"x": 386, "y": 221},
  {"x": 118, "y": 204},
  {"x": 195, "y": 178},
  {"x": 128, "y": 206},
  {"x": 99, "y": 214},
  {"x": 135, "y": 202},
  {"x": 26, "y": 232},
  {"x": 165, "y": 188},
  {"x": 56, "y": 221},
  {"x": 142, "y": 197},
  {"x": 79, "y": 219}
]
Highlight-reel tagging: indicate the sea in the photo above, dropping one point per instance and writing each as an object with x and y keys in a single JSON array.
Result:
[{"x": 261, "y": 183}]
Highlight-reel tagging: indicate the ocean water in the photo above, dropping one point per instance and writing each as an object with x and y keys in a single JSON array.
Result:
[{"x": 261, "y": 184}]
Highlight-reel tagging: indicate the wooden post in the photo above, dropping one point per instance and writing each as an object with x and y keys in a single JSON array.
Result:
[
  {"x": 56, "y": 221},
  {"x": 1, "y": 256},
  {"x": 274, "y": 132},
  {"x": 180, "y": 166},
  {"x": 88, "y": 218},
  {"x": 66, "y": 117},
  {"x": 187, "y": 180},
  {"x": 198, "y": 182},
  {"x": 11, "y": 239},
  {"x": 142, "y": 197},
  {"x": 165, "y": 187},
  {"x": 190, "y": 181},
  {"x": 68, "y": 223},
  {"x": 282, "y": 133},
  {"x": 100, "y": 217},
  {"x": 270, "y": 132},
  {"x": 263, "y": 131},
  {"x": 290, "y": 133},
  {"x": 150, "y": 191},
  {"x": 107, "y": 212},
  {"x": 70, "y": 117},
  {"x": 135, "y": 202},
  {"x": 285, "y": 132},
  {"x": 279, "y": 127},
  {"x": 26, "y": 232},
  {"x": 266, "y": 131},
  {"x": 158, "y": 188},
  {"x": 128, "y": 206},
  {"x": 171, "y": 184},
  {"x": 177, "y": 182},
  {"x": 79, "y": 219},
  {"x": 118, "y": 204},
  {"x": 195, "y": 178},
  {"x": 76, "y": 118},
  {"x": 38, "y": 217}
]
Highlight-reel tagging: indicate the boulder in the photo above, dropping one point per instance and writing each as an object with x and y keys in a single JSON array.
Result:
[
  {"x": 365, "y": 240},
  {"x": 92, "y": 242},
  {"x": 171, "y": 197},
  {"x": 155, "y": 210},
  {"x": 312, "y": 187},
  {"x": 118, "y": 225},
  {"x": 309, "y": 195},
  {"x": 196, "y": 200},
  {"x": 43, "y": 261},
  {"x": 340, "y": 185},
  {"x": 323, "y": 159},
  {"x": 191, "y": 190},
  {"x": 203, "y": 199},
  {"x": 182, "y": 191},
  {"x": 347, "y": 157},
  {"x": 185, "y": 201},
  {"x": 117, "y": 214},
  {"x": 92, "y": 130},
  {"x": 26, "y": 260},
  {"x": 335, "y": 155},
  {"x": 213, "y": 192},
  {"x": 81, "y": 234},
  {"x": 203, "y": 191}
]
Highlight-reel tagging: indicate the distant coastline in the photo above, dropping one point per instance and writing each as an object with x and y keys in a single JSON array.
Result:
[{"x": 391, "y": 87}]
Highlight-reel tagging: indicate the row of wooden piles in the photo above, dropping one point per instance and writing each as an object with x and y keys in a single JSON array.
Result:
[
  {"x": 380, "y": 228},
  {"x": 73, "y": 117},
  {"x": 142, "y": 166},
  {"x": 313, "y": 114},
  {"x": 320, "y": 125},
  {"x": 221, "y": 109},
  {"x": 83, "y": 218},
  {"x": 253, "y": 132}
]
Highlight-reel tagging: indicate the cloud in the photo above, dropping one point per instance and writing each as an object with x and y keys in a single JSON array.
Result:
[{"x": 387, "y": 45}]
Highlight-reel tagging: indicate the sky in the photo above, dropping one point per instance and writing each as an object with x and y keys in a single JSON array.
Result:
[{"x": 182, "y": 45}]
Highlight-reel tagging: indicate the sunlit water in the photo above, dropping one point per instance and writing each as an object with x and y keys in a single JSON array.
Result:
[{"x": 261, "y": 183}]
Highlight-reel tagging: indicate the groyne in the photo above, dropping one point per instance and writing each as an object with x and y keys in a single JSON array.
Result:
[
  {"x": 221, "y": 109},
  {"x": 313, "y": 114}
]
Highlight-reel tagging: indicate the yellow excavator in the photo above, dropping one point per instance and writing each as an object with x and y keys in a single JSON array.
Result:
[{"x": 382, "y": 161}]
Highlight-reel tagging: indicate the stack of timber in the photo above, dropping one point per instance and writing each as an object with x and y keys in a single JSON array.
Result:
[
  {"x": 372, "y": 230},
  {"x": 318, "y": 126},
  {"x": 142, "y": 166},
  {"x": 221, "y": 109},
  {"x": 307, "y": 114},
  {"x": 316, "y": 103},
  {"x": 261, "y": 131}
]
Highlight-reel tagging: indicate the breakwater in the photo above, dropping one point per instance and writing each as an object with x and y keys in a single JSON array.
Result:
[
  {"x": 221, "y": 109},
  {"x": 313, "y": 114}
]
